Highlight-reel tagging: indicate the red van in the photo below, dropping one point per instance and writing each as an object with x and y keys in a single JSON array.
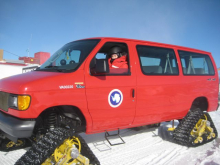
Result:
[{"x": 75, "y": 89}]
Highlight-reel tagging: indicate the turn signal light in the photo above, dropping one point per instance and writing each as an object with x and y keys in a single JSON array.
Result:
[{"x": 23, "y": 102}]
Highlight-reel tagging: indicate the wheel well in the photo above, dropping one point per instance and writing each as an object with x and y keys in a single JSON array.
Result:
[
  {"x": 200, "y": 102},
  {"x": 73, "y": 111},
  {"x": 61, "y": 116}
]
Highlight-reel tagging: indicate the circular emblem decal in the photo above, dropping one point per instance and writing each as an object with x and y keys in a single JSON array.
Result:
[{"x": 115, "y": 98}]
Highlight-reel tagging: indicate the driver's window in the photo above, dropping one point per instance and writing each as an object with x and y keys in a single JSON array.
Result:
[
  {"x": 116, "y": 57},
  {"x": 100, "y": 56}
]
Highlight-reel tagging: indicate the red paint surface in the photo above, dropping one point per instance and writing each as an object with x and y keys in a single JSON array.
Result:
[{"x": 157, "y": 98}]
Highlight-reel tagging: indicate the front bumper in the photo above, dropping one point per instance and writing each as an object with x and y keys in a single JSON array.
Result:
[{"x": 14, "y": 128}]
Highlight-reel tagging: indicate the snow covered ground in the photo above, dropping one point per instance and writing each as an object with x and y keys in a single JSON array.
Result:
[
  {"x": 155, "y": 146},
  {"x": 147, "y": 146}
]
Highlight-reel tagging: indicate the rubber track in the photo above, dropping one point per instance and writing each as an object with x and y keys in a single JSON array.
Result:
[
  {"x": 86, "y": 151},
  {"x": 44, "y": 148},
  {"x": 212, "y": 126},
  {"x": 182, "y": 134}
]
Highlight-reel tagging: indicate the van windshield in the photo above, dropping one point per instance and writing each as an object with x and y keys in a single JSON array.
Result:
[{"x": 69, "y": 57}]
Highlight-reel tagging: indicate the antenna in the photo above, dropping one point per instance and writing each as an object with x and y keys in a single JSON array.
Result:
[{"x": 29, "y": 46}]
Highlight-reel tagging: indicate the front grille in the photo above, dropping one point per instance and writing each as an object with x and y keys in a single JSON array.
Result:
[{"x": 4, "y": 101}]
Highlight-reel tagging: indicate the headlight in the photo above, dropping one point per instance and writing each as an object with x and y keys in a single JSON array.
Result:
[
  {"x": 13, "y": 101},
  {"x": 19, "y": 102}
]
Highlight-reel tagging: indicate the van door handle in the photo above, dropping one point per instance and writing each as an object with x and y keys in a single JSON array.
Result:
[
  {"x": 211, "y": 79},
  {"x": 133, "y": 93}
]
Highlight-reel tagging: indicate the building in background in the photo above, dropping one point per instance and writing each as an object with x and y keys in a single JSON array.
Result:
[
  {"x": 1, "y": 55},
  {"x": 23, "y": 64},
  {"x": 10, "y": 62},
  {"x": 39, "y": 58},
  {"x": 42, "y": 56}
]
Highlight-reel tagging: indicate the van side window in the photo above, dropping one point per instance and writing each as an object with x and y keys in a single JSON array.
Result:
[
  {"x": 117, "y": 66},
  {"x": 157, "y": 61},
  {"x": 196, "y": 64}
]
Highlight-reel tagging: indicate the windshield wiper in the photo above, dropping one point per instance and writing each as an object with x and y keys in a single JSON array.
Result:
[
  {"x": 50, "y": 66},
  {"x": 54, "y": 67}
]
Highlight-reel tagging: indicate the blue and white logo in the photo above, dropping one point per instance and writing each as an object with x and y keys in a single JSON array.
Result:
[{"x": 115, "y": 98}]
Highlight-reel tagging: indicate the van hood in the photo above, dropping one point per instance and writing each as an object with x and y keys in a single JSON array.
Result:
[{"x": 33, "y": 81}]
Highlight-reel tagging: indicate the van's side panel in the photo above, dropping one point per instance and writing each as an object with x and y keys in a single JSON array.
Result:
[
  {"x": 164, "y": 97},
  {"x": 213, "y": 100},
  {"x": 50, "y": 91},
  {"x": 159, "y": 97},
  {"x": 98, "y": 89},
  {"x": 201, "y": 85}
]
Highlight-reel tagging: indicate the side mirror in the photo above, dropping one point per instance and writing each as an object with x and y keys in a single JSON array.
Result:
[{"x": 101, "y": 66}]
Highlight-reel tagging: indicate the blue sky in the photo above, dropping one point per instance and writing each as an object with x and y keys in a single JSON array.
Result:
[{"x": 43, "y": 25}]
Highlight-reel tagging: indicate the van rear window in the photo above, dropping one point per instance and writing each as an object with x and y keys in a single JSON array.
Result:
[{"x": 196, "y": 63}]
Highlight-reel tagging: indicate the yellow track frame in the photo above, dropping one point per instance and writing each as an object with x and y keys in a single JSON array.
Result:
[
  {"x": 62, "y": 154},
  {"x": 201, "y": 128},
  {"x": 12, "y": 144}
]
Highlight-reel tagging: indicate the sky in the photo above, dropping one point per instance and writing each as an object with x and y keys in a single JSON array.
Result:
[{"x": 46, "y": 25}]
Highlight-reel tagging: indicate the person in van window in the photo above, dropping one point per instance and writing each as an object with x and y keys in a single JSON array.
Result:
[{"x": 117, "y": 58}]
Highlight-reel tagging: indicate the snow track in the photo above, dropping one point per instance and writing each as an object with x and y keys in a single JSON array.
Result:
[{"x": 148, "y": 146}]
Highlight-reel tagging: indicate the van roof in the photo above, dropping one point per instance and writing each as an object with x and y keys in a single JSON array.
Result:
[{"x": 150, "y": 42}]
